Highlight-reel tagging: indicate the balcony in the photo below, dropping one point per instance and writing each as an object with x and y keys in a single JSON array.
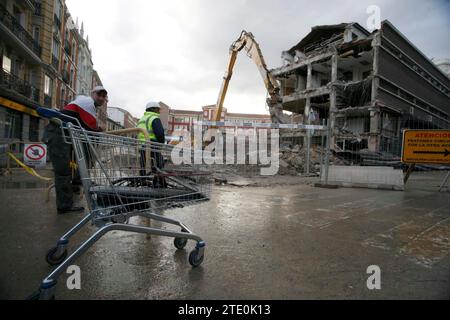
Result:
[
  {"x": 31, "y": 4},
  {"x": 18, "y": 86},
  {"x": 11, "y": 26}
]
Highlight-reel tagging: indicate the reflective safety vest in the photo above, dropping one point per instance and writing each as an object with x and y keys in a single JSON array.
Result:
[{"x": 146, "y": 123}]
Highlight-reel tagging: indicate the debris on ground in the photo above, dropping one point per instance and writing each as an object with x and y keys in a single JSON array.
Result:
[
  {"x": 293, "y": 159},
  {"x": 292, "y": 163}
]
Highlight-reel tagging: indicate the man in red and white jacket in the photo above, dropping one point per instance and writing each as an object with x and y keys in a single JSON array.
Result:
[{"x": 84, "y": 109}]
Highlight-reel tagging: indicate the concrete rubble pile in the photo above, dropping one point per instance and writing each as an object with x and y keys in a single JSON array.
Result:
[{"x": 293, "y": 160}]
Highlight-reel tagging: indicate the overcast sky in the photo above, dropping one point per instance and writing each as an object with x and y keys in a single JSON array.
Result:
[{"x": 177, "y": 51}]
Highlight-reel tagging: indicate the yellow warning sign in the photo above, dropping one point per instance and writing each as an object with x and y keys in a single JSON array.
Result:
[{"x": 426, "y": 146}]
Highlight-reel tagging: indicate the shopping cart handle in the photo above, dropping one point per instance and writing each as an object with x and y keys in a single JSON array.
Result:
[
  {"x": 52, "y": 113},
  {"x": 49, "y": 113}
]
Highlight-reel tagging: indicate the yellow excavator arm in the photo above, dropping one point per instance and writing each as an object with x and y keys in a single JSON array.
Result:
[{"x": 247, "y": 41}]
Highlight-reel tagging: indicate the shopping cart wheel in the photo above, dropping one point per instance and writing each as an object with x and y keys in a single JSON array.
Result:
[
  {"x": 196, "y": 258},
  {"x": 54, "y": 260},
  {"x": 180, "y": 243}
]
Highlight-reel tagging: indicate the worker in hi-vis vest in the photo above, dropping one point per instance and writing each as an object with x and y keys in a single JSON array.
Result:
[{"x": 151, "y": 122}]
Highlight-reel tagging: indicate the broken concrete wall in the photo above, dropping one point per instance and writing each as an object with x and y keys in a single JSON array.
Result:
[{"x": 368, "y": 85}]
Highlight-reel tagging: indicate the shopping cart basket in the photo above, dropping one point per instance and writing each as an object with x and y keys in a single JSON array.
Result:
[{"x": 122, "y": 178}]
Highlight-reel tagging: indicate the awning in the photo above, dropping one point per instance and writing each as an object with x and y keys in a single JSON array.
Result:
[{"x": 17, "y": 106}]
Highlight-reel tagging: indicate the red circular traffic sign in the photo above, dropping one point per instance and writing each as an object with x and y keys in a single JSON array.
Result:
[{"x": 35, "y": 152}]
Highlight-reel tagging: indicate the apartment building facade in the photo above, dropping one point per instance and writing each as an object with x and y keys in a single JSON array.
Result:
[
  {"x": 20, "y": 75},
  {"x": 185, "y": 119},
  {"x": 121, "y": 117},
  {"x": 85, "y": 65},
  {"x": 45, "y": 62},
  {"x": 182, "y": 119}
]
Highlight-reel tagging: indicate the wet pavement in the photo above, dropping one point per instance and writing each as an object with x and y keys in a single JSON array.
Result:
[{"x": 280, "y": 242}]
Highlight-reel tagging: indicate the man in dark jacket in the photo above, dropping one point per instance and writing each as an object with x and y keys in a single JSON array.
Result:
[{"x": 84, "y": 109}]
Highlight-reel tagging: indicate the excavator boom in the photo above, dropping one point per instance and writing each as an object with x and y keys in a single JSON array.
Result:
[{"x": 247, "y": 41}]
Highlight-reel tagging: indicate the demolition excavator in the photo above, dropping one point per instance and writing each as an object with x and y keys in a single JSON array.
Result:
[{"x": 247, "y": 41}]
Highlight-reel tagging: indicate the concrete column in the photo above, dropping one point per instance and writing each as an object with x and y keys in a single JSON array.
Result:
[
  {"x": 375, "y": 113},
  {"x": 301, "y": 83},
  {"x": 375, "y": 130},
  {"x": 334, "y": 68},
  {"x": 307, "y": 120},
  {"x": 308, "y": 100},
  {"x": 376, "y": 57},
  {"x": 309, "y": 77},
  {"x": 307, "y": 110},
  {"x": 334, "y": 76}
]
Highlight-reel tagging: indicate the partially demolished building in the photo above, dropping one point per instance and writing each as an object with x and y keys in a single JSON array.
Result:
[{"x": 370, "y": 85}]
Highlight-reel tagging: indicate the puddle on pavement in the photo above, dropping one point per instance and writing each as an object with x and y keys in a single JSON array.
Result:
[{"x": 425, "y": 239}]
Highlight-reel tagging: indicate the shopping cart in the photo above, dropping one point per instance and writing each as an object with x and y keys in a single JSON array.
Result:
[{"x": 123, "y": 178}]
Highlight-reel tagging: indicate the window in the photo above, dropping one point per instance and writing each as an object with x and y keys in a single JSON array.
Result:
[
  {"x": 33, "y": 77},
  {"x": 33, "y": 133},
  {"x": 47, "y": 86},
  {"x": 55, "y": 48},
  {"x": 6, "y": 64},
  {"x": 63, "y": 96},
  {"x": 13, "y": 124},
  {"x": 19, "y": 16},
  {"x": 65, "y": 63},
  {"x": 36, "y": 33},
  {"x": 71, "y": 77}
]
